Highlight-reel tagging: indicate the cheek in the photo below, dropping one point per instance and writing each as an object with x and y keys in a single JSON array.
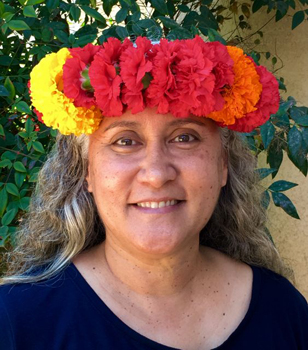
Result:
[{"x": 207, "y": 175}]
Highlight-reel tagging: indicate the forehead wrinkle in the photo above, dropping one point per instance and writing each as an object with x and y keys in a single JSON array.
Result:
[
  {"x": 185, "y": 121},
  {"x": 122, "y": 123},
  {"x": 134, "y": 124}
]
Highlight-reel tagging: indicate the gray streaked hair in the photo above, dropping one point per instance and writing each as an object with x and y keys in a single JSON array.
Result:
[{"x": 63, "y": 219}]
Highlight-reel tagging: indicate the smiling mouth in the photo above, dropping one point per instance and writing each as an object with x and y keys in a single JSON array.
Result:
[{"x": 155, "y": 205}]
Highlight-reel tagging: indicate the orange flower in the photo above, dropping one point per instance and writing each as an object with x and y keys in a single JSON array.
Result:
[{"x": 242, "y": 97}]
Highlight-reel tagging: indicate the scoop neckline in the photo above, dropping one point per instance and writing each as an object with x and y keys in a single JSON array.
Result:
[{"x": 115, "y": 321}]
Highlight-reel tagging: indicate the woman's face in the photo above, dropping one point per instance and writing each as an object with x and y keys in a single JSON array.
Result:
[{"x": 155, "y": 179}]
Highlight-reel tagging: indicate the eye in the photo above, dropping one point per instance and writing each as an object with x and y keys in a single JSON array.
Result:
[
  {"x": 184, "y": 138},
  {"x": 125, "y": 142}
]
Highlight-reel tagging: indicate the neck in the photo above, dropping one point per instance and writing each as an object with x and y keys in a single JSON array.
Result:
[{"x": 153, "y": 275}]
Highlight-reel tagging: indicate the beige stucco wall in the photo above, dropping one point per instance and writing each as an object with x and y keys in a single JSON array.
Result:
[{"x": 290, "y": 235}]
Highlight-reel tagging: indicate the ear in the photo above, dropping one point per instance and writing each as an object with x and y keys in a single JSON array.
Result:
[{"x": 89, "y": 181}]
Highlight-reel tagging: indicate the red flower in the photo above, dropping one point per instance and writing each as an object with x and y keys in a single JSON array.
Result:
[
  {"x": 195, "y": 81},
  {"x": 134, "y": 64},
  {"x": 222, "y": 68},
  {"x": 268, "y": 103},
  {"x": 105, "y": 79},
  {"x": 163, "y": 88},
  {"x": 72, "y": 78}
]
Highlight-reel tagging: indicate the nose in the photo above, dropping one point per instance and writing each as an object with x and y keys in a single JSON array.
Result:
[{"x": 157, "y": 167}]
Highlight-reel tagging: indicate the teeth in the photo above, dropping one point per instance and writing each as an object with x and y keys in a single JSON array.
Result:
[{"x": 155, "y": 205}]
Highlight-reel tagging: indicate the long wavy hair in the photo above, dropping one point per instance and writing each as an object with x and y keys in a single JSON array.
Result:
[{"x": 63, "y": 220}]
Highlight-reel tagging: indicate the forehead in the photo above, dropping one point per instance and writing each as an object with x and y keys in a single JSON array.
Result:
[{"x": 149, "y": 119}]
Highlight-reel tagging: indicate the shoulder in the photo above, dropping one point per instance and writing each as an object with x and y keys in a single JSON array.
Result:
[
  {"x": 279, "y": 302},
  {"x": 21, "y": 298},
  {"x": 276, "y": 287}
]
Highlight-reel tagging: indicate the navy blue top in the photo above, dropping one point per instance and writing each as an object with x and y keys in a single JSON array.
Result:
[{"x": 65, "y": 313}]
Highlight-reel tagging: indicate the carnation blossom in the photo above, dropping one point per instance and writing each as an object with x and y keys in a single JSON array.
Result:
[
  {"x": 58, "y": 110},
  {"x": 79, "y": 62},
  {"x": 134, "y": 64},
  {"x": 240, "y": 98},
  {"x": 267, "y": 105},
  {"x": 163, "y": 88},
  {"x": 105, "y": 79}
]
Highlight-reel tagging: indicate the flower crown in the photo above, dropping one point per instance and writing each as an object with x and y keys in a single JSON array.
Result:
[{"x": 73, "y": 89}]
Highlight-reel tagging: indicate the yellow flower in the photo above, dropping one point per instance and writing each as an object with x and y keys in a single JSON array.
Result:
[
  {"x": 58, "y": 110},
  {"x": 245, "y": 92}
]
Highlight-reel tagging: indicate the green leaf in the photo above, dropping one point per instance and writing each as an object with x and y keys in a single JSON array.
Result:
[
  {"x": 121, "y": 15},
  {"x": 299, "y": 115},
  {"x": 20, "y": 167},
  {"x": 7, "y": 16},
  {"x": 9, "y": 155},
  {"x": 19, "y": 178},
  {"x": 22, "y": 107},
  {"x": 47, "y": 35},
  {"x": 93, "y": 13},
  {"x": 12, "y": 189},
  {"x": 7, "y": 60},
  {"x": 3, "y": 91},
  {"x": 93, "y": 3},
  {"x": 282, "y": 185},
  {"x": 168, "y": 22},
  {"x": 3, "y": 235},
  {"x": 136, "y": 16},
  {"x": 83, "y": 40},
  {"x": 122, "y": 32},
  {"x": 107, "y": 6},
  {"x": 9, "y": 87},
  {"x": 298, "y": 18},
  {"x": 281, "y": 121},
  {"x": 257, "y": 4},
  {"x": 29, "y": 11},
  {"x": 62, "y": 36},
  {"x": 183, "y": 8},
  {"x": 275, "y": 156},
  {"x": 282, "y": 201},
  {"x": 3, "y": 201},
  {"x": 264, "y": 172},
  {"x": 146, "y": 23},
  {"x": 29, "y": 126},
  {"x": 137, "y": 29},
  {"x": 8, "y": 217},
  {"x": 18, "y": 25},
  {"x": 213, "y": 35},
  {"x": 75, "y": 12},
  {"x": 34, "y": 2},
  {"x": 33, "y": 177},
  {"x": 1, "y": 9},
  {"x": 24, "y": 203},
  {"x": 305, "y": 136},
  {"x": 265, "y": 199},
  {"x": 296, "y": 148},
  {"x": 5, "y": 163},
  {"x": 1, "y": 130},
  {"x": 160, "y": 6},
  {"x": 294, "y": 142},
  {"x": 267, "y": 131},
  {"x": 38, "y": 146}
]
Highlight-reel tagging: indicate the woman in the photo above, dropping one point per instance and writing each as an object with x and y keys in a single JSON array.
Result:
[{"x": 110, "y": 256}]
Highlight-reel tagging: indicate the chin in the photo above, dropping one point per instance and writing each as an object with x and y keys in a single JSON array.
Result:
[{"x": 159, "y": 244}]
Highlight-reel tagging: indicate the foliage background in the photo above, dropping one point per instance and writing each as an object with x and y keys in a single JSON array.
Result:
[{"x": 31, "y": 29}]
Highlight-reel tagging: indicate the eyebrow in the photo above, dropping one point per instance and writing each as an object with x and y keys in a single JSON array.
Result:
[{"x": 130, "y": 124}]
